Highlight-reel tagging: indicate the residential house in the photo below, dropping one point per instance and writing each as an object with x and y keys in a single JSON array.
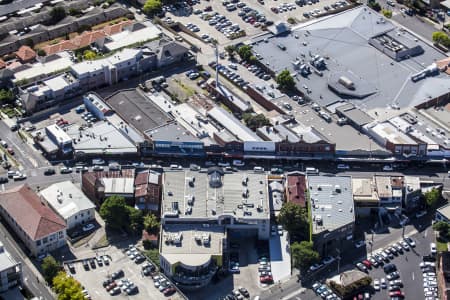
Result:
[
  {"x": 148, "y": 190},
  {"x": 25, "y": 54},
  {"x": 69, "y": 202},
  {"x": 40, "y": 229},
  {"x": 296, "y": 190}
]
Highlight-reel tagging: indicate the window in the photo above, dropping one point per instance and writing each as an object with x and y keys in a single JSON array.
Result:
[
  {"x": 82, "y": 214},
  {"x": 60, "y": 234},
  {"x": 45, "y": 240},
  {"x": 76, "y": 217},
  {"x": 38, "y": 243}
]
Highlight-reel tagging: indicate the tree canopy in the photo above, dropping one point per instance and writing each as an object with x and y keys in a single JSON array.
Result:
[
  {"x": 255, "y": 121},
  {"x": 50, "y": 268},
  {"x": 245, "y": 52},
  {"x": 67, "y": 287},
  {"x": 432, "y": 197},
  {"x": 441, "y": 37},
  {"x": 285, "y": 80},
  {"x": 303, "y": 254},
  {"x": 57, "y": 14},
  {"x": 6, "y": 96},
  {"x": 294, "y": 219},
  {"x": 89, "y": 55},
  {"x": 136, "y": 219},
  {"x": 151, "y": 223},
  {"x": 114, "y": 211},
  {"x": 151, "y": 7}
]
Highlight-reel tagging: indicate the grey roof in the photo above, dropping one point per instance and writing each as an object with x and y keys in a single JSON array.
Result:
[
  {"x": 354, "y": 114},
  {"x": 242, "y": 105},
  {"x": 331, "y": 201},
  {"x": 172, "y": 132},
  {"x": 17, "y": 5},
  {"x": 137, "y": 110},
  {"x": 343, "y": 41},
  {"x": 444, "y": 210},
  {"x": 6, "y": 260},
  {"x": 66, "y": 199},
  {"x": 211, "y": 202},
  {"x": 188, "y": 250}
]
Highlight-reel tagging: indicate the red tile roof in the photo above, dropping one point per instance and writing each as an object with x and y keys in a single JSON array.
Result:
[
  {"x": 25, "y": 53},
  {"x": 26, "y": 208},
  {"x": 2, "y": 64},
  {"x": 141, "y": 178},
  {"x": 140, "y": 190},
  {"x": 296, "y": 187}
]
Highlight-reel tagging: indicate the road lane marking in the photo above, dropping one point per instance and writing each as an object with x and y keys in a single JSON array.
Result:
[{"x": 412, "y": 275}]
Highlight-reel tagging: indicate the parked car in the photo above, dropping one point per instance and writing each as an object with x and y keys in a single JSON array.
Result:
[
  {"x": 361, "y": 267},
  {"x": 49, "y": 172},
  {"x": 433, "y": 248},
  {"x": 88, "y": 227}
]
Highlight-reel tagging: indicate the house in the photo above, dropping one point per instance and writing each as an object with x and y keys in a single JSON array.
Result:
[
  {"x": 412, "y": 194},
  {"x": 10, "y": 270},
  {"x": 147, "y": 191},
  {"x": 69, "y": 202},
  {"x": 25, "y": 54},
  {"x": 332, "y": 212},
  {"x": 37, "y": 225},
  {"x": 296, "y": 188}
]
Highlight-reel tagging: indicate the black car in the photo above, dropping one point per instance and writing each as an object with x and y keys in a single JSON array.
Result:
[
  {"x": 3, "y": 180},
  {"x": 117, "y": 274},
  {"x": 107, "y": 282},
  {"x": 92, "y": 263},
  {"x": 244, "y": 292},
  {"x": 49, "y": 172},
  {"x": 139, "y": 259},
  {"x": 389, "y": 268}
]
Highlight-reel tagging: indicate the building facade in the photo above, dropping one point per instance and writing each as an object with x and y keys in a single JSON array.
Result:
[{"x": 10, "y": 271}]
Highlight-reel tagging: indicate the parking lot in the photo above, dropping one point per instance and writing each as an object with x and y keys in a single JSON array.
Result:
[{"x": 93, "y": 278}]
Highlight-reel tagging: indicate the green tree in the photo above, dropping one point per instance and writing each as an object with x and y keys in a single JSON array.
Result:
[
  {"x": 442, "y": 227},
  {"x": 374, "y": 5},
  {"x": 441, "y": 37},
  {"x": 6, "y": 96},
  {"x": 57, "y": 14},
  {"x": 115, "y": 212},
  {"x": 230, "y": 49},
  {"x": 151, "y": 7},
  {"x": 136, "y": 219},
  {"x": 387, "y": 13},
  {"x": 29, "y": 42},
  {"x": 50, "y": 268},
  {"x": 294, "y": 219},
  {"x": 285, "y": 80},
  {"x": 303, "y": 254},
  {"x": 151, "y": 223},
  {"x": 89, "y": 55},
  {"x": 245, "y": 52},
  {"x": 67, "y": 287},
  {"x": 432, "y": 197},
  {"x": 41, "y": 52},
  {"x": 255, "y": 121}
]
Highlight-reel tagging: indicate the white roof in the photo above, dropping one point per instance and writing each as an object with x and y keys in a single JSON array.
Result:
[
  {"x": 38, "y": 68},
  {"x": 389, "y": 132},
  {"x": 66, "y": 199},
  {"x": 6, "y": 260},
  {"x": 61, "y": 136},
  {"x": 57, "y": 83},
  {"x": 126, "y": 37},
  {"x": 118, "y": 185}
]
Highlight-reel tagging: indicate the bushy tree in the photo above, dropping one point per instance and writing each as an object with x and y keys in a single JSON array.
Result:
[
  {"x": 67, "y": 287},
  {"x": 114, "y": 211},
  {"x": 245, "y": 52},
  {"x": 6, "y": 96},
  {"x": 303, "y": 254},
  {"x": 285, "y": 80},
  {"x": 151, "y": 223},
  {"x": 136, "y": 219},
  {"x": 41, "y": 52},
  {"x": 50, "y": 268},
  {"x": 442, "y": 227},
  {"x": 151, "y": 7},
  {"x": 255, "y": 121},
  {"x": 294, "y": 219},
  {"x": 432, "y": 197},
  {"x": 57, "y": 14},
  {"x": 89, "y": 55},
  {"x": 441, "y": 37}
]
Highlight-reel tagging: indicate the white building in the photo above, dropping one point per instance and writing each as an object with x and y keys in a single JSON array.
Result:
[
  {"x": 10, "y": 270},
  {"x": 70, "y": 203}
]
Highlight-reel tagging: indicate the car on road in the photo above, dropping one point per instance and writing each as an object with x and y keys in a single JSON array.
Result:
[
  {"x": 433, "y": 248},
  {"x": 393, "y": 276},
  {"x": 396, "y": 282},
  {"x": 88, "y": 227},
  {"x": 367, "y": 263},
  {"x": 376, "y": 284},
  {"x": 19, "y": 176},
  {"x": 65, "y": 170},
  {"x": 373, "y": 261},
  {"x": 49, "y": 172},
  {"x": 361, "y": 267},
  {"x": 389, "y": 268},
  {"x": 383, "y": 283},
  {"x": 97, "y": 168}
]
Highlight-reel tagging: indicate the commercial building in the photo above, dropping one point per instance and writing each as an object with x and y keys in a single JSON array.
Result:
[
  {"x": 412, "y": 193},
  {"x": 147, "y": 190},
  {"x": 365, "y": 196},
  {"x": 200, "y": 210},
  {"x": 60, "y": 138},
  {"x": 69, "y": 202},
  {"x": 389, "y": 192},
  {"x": 10, "y": 270},
  {"x": 40, "y": 229},
  {"x": 332, "y": 212},
  {"x": 443, "y": 213}
]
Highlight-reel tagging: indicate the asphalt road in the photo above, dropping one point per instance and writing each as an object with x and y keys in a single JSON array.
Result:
[{"x": 30, "y": 278}]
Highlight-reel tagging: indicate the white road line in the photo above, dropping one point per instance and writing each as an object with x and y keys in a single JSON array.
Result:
[
  {"x": 412, "y": 275},
  {"x": 3, "y": 187},
  {"x": 425, "y": 234}
]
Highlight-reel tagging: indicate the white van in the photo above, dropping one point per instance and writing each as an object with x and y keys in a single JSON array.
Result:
[
  {"x": 258, "y": 169},
  {"x": 311, "y": 170}
]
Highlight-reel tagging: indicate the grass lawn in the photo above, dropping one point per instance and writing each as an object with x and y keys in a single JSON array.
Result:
[{"x": 441, "y": 245}]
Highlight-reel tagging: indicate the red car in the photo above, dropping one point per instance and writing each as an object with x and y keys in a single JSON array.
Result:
[
  {"x": 266, "y": 279},
  {"x": 111, "y": 286},
  {"x": 367, "y": 263},
  {"x": 274, "y": 9},
  {"x": 10, "y": 151},
  {"x": 397, "y": 294},
  {"x": 169, "y": 291}
]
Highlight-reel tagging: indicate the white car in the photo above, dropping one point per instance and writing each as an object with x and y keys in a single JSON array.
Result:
[
  {"x": 65, "y": 170},
  {"x": 433, "y": 248},
  {"x": 376, "y": 284},
  {"x": 427, "y": 264},
  {"x": 388, "y": 168},
  {"x": 383, "y": 283},
  {"x": 88, "y": 227}
]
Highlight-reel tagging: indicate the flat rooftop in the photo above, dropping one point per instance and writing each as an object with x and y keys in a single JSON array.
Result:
[
  {"x": 137, "y": 110},
  {"x": 331, "y": 202},
  {"x": 214, "y": 193},
  {"x": 100, "y": 138},
  {"x": 191, "y": 250},
  {"x": 343, "y": 41},
  {"x": 58, "y": 62},
  {"x": 172, "y": 132}
]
